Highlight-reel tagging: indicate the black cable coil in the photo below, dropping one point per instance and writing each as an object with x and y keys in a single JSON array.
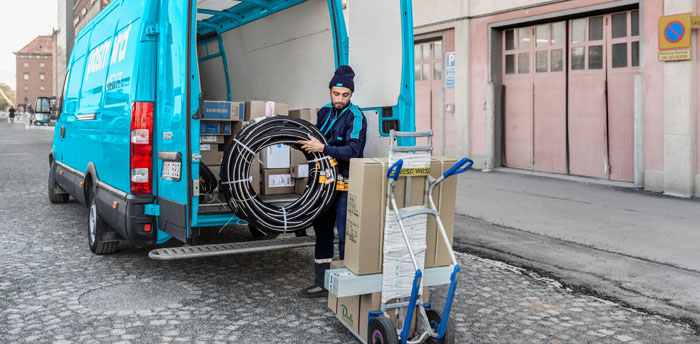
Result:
[{"x": 236, "y": 182}]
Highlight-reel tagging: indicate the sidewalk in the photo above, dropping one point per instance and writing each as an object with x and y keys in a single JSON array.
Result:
[
  {"x": 635, "y": 247},
  {"x": 621, "y": 220}
]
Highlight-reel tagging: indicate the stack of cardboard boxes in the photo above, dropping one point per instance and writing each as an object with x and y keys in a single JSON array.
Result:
[
  {"x": 277, "y": 169},
  {"x": 285, "y": 170},
  {"x": 367, "y": 203},
  {"x": 222, "y": 120}
]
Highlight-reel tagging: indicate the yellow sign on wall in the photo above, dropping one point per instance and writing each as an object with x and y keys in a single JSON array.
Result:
[{"x": 675, "y": 31}]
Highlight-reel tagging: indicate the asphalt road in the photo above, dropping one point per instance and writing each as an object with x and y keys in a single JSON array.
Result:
[{"x": 52, "y": 289}]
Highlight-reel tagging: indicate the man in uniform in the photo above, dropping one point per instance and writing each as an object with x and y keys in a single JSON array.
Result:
[{"x": 345, "y": 128}]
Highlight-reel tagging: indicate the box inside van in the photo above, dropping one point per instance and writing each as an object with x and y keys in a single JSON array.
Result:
[{"x": 133, "y": 129}]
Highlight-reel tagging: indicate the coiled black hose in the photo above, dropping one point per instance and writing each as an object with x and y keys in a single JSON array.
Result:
[{"x": 236, "y": 180}]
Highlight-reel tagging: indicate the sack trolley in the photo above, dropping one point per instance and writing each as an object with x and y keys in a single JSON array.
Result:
[{"x": 431, "y": 325}]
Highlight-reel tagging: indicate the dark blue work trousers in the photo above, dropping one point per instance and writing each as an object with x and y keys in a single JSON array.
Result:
[{"x": 323, "y": 227}]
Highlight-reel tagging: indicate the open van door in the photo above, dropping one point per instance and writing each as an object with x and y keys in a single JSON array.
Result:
[
  {"x": 177, "y": 93},
  {"x": 381, "y": 53}
]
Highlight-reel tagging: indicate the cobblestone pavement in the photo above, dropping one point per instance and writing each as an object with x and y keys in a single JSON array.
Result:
[{"x": 52, "y": 289}]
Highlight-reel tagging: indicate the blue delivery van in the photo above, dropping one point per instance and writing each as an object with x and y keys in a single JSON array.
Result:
[{"x": 126, "y": 143}]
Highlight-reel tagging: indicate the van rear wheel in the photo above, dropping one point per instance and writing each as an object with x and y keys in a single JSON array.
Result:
[
  {"x": 97, "y": 228},
  {"x": 56, "y": 195}
]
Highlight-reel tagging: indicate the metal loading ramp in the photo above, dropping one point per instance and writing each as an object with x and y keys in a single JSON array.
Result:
[{"x": 186, "y": 252}]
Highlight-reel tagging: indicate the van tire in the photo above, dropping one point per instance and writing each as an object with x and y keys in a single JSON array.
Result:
[
  {"x": 56, "y": 195},
  {"x": 96, "y": 227}
]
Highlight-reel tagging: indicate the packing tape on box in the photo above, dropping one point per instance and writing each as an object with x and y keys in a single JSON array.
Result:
[
  {"x": 398, "y": 269},
  {"x": 414, "y": 164}
]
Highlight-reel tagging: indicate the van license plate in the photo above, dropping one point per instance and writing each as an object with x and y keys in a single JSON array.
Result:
[{"x": 171, "y": 170}]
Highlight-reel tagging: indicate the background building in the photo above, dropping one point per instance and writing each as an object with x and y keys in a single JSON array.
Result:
[
  {"x": 65, "y": 37},
  {"x": 565, "y": 87},
  {"x": 35, "y": 70}
]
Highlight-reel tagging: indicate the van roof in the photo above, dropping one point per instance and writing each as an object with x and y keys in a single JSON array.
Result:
[{"x": 224, "y": 15}]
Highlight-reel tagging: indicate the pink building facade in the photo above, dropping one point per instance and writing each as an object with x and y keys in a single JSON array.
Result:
[{"x": 563, "y": 87}]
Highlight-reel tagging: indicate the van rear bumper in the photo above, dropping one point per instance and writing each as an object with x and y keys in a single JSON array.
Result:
[
  {"x": 125, "y": 213},
  {"x": 136, "y": 220}
]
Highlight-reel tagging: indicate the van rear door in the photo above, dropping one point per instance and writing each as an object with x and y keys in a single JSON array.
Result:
[
  {"x": 174, "y": 109},
  {"x": 381, "y": 53}
]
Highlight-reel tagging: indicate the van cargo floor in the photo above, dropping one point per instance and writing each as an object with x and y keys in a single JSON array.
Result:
[{"x": 184, "y": 252}]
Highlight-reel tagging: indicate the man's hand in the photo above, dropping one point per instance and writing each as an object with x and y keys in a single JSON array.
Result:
[{"x": 312, "y": 145}]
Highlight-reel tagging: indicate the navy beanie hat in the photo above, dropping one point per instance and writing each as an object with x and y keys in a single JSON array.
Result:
[{"x": 343, "y": 77}]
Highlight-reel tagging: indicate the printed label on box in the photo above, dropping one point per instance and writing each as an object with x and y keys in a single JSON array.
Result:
[
  {"x": 280, "y": 180},
  {"x": 211, "y": 139},
  {"x": 205, "y": 147}
]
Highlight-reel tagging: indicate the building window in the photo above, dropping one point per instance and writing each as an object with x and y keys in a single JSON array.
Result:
[
  {"x": 26, "y": 76},
  {"x": 41, "y": 65},
  {"x": 42, "y": 76},
  {"x": 26, "y": 88},
  {"x": 26, "y": 65},
  {"x": 42, "y": 88}
]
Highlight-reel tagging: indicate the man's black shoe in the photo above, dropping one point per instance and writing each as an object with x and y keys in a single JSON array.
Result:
[{"x": 313, "y": 291}]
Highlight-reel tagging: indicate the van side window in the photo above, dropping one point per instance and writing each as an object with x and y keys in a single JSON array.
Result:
[{"x": 63, "y": 93}]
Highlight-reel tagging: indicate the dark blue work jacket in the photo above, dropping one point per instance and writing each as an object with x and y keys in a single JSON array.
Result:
[{"x": 346, "y": 133}]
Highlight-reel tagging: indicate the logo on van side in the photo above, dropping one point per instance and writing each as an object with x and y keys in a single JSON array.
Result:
[{"x": 99, "y": 56}]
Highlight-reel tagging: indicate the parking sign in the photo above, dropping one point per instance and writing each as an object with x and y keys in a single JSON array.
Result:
[{"x": 450, "y": 69}]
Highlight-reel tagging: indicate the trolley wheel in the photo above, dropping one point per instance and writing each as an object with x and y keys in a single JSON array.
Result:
[
  {"x": 434, "y": 318},
  {"x": 382, "y": 331},
  {"x": 261, "y": 234}
]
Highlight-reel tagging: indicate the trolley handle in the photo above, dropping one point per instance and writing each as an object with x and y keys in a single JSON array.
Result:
[
  {"x": 396, "y": 168},
  {"x": 455, "y": 169}
]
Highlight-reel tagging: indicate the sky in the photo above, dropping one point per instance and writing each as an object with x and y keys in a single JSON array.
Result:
[{"x": 22, "y": 21}]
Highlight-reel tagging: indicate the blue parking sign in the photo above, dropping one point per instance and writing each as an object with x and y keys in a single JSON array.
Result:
[
  {"x": 450, "y": 69},
  {"x": 450, "y": 59}
]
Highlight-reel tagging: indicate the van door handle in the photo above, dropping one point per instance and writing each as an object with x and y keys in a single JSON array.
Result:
[{"x": 63, "y": 132}]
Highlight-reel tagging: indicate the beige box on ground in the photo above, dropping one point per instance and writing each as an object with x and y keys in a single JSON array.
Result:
[
  {"x": 277, "y": 181},
  {"x": 367, "y": 200},
  {"x": 310, "y": 115},
  {"x": 257, "y": 108},
  {"x": 349, "y": 311}
]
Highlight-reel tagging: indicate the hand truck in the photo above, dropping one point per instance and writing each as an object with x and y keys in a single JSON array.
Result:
[{"x": 431, "y": 324}]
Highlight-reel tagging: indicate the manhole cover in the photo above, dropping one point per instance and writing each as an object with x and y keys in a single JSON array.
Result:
[
  {"x": 11, "y": 246},
  {"x": 134, "y": 296}
]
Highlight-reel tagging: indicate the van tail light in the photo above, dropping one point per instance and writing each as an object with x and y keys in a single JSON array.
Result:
[{"x": 141, "y": 148}]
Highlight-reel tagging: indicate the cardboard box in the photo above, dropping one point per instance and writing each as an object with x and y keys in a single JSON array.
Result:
[
  {"x": 211, "y": 157},
  {"x": 310, "y": 115},
  {"x": 349, "y": 311},
  {"x": 211, "y": 139},
  {"x": 297, "y": 157},
  {"x": 367, "y": 201},
  {"x": 300, "y": 185},
  {"x": 276, "y": 156},
  {"x": 260, "y": 108},
  {"x": 219, "y": 110},
  {"x": 445, "y": 197},
  {"x": 214, "y": 128},
  {"x": 277, "y": 181},
  {"x": 300, "y": 171},
  {"x": 332, "y": 299},
  {"x": 255, "y": 173}
]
